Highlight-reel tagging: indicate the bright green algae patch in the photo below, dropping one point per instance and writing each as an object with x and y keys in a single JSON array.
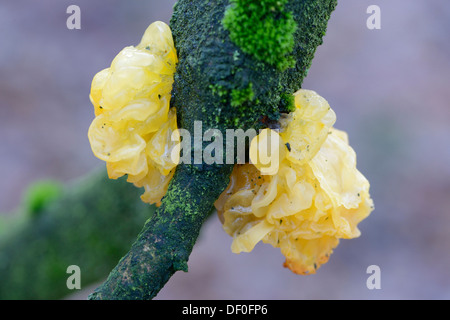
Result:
[
  {"x": 239, "y": 97},
  {"x": 214, "y": 73},
  {"x": 264, "y": 29},
  {"x": 39, "y": 194}
]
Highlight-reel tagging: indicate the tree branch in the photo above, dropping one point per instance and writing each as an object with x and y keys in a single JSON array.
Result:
[
  {"x": 209, "y": 62},
  {"x": 91, "y": 224}
]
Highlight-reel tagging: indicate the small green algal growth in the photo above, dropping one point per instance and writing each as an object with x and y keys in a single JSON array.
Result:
[
  {"x": 239, "y": 97},
  {"x": 219, "y": 90},
  {"x": 287, "y": 103},
  {"x": 39, "y": 194},
  {"x": 264, "y": 29}
]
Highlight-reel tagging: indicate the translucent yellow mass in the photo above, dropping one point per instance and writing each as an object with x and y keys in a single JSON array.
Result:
[
  {"x": 134, "y": 122},
  {"x": 301, "y": 191},
  {"x": 307, "y": 127},
  {"x": 314, "y": 198}
]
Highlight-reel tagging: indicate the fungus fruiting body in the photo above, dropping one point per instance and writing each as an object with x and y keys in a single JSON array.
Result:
[
  {"x": 134, "y": 123},
  {"x": 309, "y": 197},
  {"x": 314, "y": 197}
]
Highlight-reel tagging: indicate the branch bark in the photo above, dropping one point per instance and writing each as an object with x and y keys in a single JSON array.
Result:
[{"x": 207, "y": 61}]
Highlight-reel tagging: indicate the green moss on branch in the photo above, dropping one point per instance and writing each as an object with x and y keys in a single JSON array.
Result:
[
  {"x": 209, "y": 58},
  {"x": 263, "y": 29},
  {"x": 166, "y": 241},
  {"x": 212, "y": 73}
]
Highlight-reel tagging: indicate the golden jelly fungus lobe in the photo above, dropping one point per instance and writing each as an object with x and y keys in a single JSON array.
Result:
[
  {"x": 134, "y": 123},
  {"x": 307, "y": 205},
  {"x": 306, "y": 128},
  {"x": 266, "y": 151}
]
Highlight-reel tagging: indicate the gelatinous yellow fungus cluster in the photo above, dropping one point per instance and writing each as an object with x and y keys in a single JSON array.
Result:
[
  {"x": 134, "y": 122},
  {"x": 303, "y": 200},
  {"x": 314, "y": 197}
]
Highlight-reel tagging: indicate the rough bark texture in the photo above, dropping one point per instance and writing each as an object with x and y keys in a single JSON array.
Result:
[
  {"x": 211, "y": 67},
  {"x": 164, "y": 245}
]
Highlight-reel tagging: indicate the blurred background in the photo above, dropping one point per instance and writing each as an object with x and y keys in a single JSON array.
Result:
[{"x": 388, "y": 87}]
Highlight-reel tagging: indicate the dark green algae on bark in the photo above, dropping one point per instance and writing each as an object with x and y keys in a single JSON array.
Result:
[
  {"x": 222, "y": 86},
  {"x": 211, "y": 66}
]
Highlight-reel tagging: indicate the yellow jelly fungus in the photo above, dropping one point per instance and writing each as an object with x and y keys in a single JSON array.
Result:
[
  {"x": 134, "y": 122},
  {"x": 300, "y": 192},
  {"x": 306, "y": 128},
  {"x": 266, "y": 153},
  {"x": 311, "y": 201}
]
